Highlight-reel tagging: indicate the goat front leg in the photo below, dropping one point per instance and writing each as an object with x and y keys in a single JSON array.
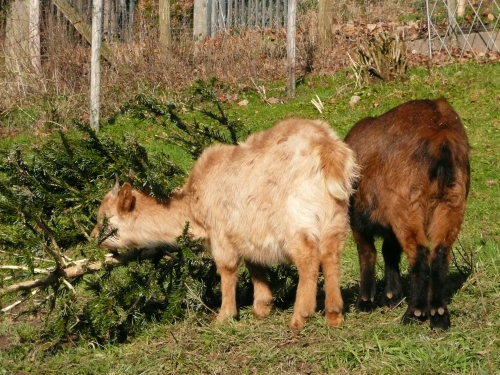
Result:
[
  {"x": 228, "y": 271},
  {"x": 262, "y": 295}
]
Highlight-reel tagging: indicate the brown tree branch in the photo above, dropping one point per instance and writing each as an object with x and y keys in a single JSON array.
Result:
[{"x": 85, "y": 266}]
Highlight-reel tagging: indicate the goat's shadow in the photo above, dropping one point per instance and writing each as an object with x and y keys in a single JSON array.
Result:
[
  {"x": 455, "y": 281},
  {"x": 284, "y": 289}
]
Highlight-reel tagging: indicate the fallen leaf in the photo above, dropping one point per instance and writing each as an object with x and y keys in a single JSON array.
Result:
[
  {"x": 274, "y": 101},
  {"x": 354, "y": 100},
  {"x": 243, "y": 103},
  {"x": 491, "y": 182}
]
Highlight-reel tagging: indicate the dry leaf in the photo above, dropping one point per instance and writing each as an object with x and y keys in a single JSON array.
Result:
[
  {"x": 274, "y": 101},
  {"x": 354, "y": 100},
  {"x": 243, "y": 103}
]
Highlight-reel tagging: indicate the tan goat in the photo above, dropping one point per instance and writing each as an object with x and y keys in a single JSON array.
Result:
[{"x": 282, "y": 196}]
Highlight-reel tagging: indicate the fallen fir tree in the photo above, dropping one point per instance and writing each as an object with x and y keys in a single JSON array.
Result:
[{"x": 48, "y": 201}]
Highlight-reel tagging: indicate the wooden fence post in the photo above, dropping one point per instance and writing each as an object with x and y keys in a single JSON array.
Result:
[
  {"x": 290, "y": 46},
  {"x": 200, "y": 19},
  {"x": 164, "y": 25},
  {"x": 461, "y": 8},
  {"x": 452, "y": 22},
  {"x": 325, "y": 11},
  {"x": 95, "y": 65},
  {"x": 22, "y": 39},
  {"x": 34, "y": 36}
]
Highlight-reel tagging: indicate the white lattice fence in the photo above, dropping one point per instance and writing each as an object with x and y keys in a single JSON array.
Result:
[{"x": 463, "y": 25}]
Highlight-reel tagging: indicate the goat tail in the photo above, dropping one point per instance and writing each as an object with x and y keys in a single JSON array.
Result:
[
  {"x": 443, "y": 170},
  {"x": 339, "y": 169}
]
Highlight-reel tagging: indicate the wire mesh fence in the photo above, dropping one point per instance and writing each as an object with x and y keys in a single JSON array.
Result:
[
  {"x": 247, "y": 38},
  {"x": 117, "y": 20},
  {"x": 224, "y": 14},
  {"x": 463, "y": 25}
]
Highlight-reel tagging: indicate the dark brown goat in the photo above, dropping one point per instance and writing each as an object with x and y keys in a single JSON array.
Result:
[{"x": 415, "y": 179}]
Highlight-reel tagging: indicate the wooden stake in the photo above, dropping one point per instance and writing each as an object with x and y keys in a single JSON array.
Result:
[
  {"x": 95, "y": 65},
  {"x": 290, "y": 46}
]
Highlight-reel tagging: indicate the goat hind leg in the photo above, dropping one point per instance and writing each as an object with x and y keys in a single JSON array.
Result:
[
  {"x": 305, "y": 256},
  {"x": 367, "y": 284},
  {"x": 262, "y": 295},
  {"x": 393, "y": 291},
  {"x": 330, "y": 249},
  {"x": 444, "y": 228},
  {"x": 419, "y": 285},
  {"x": 439, "y": 315}
]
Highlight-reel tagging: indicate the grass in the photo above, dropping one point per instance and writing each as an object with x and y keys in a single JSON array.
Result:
[{"x": 366, "y": 343}]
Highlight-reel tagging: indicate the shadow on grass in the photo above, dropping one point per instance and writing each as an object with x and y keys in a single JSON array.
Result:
[
  {"x": 455, "y": 280},
  {"x": 284, "y": 282}
]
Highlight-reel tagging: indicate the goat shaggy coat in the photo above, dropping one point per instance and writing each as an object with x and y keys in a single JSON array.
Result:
[
  {"x": 413, "y": 187},
  {"x": 281, "y": 196}
]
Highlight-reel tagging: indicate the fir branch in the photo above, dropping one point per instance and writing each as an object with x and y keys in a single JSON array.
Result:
[{"x": 56, "y": 251}]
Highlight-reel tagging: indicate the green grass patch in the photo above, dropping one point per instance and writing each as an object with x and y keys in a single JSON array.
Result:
[{"x": 374, "y": 343}]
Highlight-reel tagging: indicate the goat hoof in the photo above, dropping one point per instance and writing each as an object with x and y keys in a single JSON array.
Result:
[
  {"x": 334, "y": 320},
  {"x": 225, "y": 315},
  {"x": 391, "y": 300},
  {"x": 414, "y": 315},
  {"x": 297, "y": 323},
  {"x": 367, "y": 305},
  {"x": 261, "y": 309},
  {"x": 333, "y": 317},
  {"x": 441, "y": 319}
]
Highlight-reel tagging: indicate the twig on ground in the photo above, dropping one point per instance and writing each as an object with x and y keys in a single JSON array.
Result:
[
  {"x": 10, "y": 307},
  {"x": 195, "y": 296},
  {"x": 24, "y": 268},
  {"x": 261, "y": 90},
  {"x": 85, "y": 266},
  {"x": 318, "y": 104}
]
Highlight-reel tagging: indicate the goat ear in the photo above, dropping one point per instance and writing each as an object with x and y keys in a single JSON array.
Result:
[{"x": 126, "y": 199}]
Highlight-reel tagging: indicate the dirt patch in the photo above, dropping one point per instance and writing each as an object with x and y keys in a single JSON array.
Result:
[{"x": 6, "y": 341}]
